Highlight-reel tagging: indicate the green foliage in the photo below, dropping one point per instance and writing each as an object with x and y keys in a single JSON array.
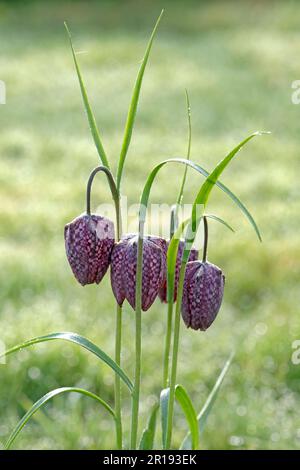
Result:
[
  {"x": 148, "y": 435},
  {"x": 207, "y": 408},
  {"x": 235, "y": 86},
  {"x": 79, "y": 340},
  {"x": 88, "y": 109},
  {"x": 183, "y": 399},
  {"x": 42, "y": 401}
]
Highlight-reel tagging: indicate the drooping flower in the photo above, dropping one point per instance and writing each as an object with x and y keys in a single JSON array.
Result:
[
  {"x": 89, "y": 240},
  {"x": 202, "y": 294},
  {"x": 193, "y": 257},
  {"x": 123, "y": 269}
]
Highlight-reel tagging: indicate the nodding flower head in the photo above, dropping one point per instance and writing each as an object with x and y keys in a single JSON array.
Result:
[
  {"x": 202, "y": 294},
  {"x": 193, "y": 256},
  {"x": 123, "y": 269},
  {"x": 89, "y": 240}
]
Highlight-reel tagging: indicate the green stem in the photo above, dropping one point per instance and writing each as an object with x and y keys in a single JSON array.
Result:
[
  {"x": 188, "y": 153},
  {"x": 118, "y": 345},
  {"x": 205, "y": 243},
  {"x": 118, "y": 333},
  {"x": 138, "y": 343},
  {"x": 167, "y": 345},
  {"x": 174, "y": 357},
  {"x": 118, "y": 407},
  {"x": 173, "y": 228}
]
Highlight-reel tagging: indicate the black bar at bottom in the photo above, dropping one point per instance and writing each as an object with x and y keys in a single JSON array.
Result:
[{"x": 133, "y": 459}]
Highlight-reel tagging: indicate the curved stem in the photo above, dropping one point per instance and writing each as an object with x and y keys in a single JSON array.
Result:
[
  {"x": 113, "y": 189},
  {"x": 118, "y": 333},
  {"x": 174, "y": 358},
  {"x": 205, "y": 226}
]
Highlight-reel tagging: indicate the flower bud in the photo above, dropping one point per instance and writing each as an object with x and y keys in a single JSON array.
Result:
[
  {"x": 193, "y": 256},
  {"x": 202, "y": 294},
  {"x": 89, "y": 240},
  {"x": 123, "y": 269}
]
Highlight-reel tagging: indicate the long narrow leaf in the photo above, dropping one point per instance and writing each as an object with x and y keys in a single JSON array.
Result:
[
  {"x": 164, "y": 403},
  {"x": 79, "y": 340},
  {"x": 202, "y": 171},
  {"x": 42, "y": 401},
  {"x": 218, "y": 219},
  {"x": 204, "y": 193},
  {"x": 133, "y": 105},
  {"x": 213, "y": 177},
  {"x": 205, "y": 411},
  {"x": 180, "y": 194},
  {"x": 147, "y": 439},
  {"x": 88, "y": 109},
  {"x": 188, "y": 409}
]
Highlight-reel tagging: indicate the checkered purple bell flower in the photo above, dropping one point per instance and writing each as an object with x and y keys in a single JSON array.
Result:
[
  {"x": 123, "y": 269},
  {"x": 202, "y": 294},
  {"x": 89, "y": 240},
  {"x": 193, "y": 257}
]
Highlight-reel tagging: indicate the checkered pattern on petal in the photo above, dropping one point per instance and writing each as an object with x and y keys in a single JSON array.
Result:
[
  {"x": 123, "y": 269},
  {"x": 202, "y": 294},
  {"x": 89, "y": 240}
]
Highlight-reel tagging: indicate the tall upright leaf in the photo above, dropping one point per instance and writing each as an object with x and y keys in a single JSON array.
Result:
[
  {"x": 133, "y": 106},
  {"x": 147, "y": 439},
  {"x": 88, "y": 108},
  {"x": 188, "y": 409},
  {"x": 188, "y": 153}
]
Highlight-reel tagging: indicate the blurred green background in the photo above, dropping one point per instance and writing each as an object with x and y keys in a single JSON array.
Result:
[{"x": 238, "y": 60}]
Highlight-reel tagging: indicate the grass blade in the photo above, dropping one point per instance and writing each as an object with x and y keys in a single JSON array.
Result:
[
  {"x": 218, "y": 219},
  {"x": 42, "y": 401},
  {"x": 164, "y": 404},
  {"x": 147, "y": 439},
  {"x": 79, "y": 340},
  {"x": 188, "y": 409},
  {"x": 202, "y": 171},
  {"x": 180, "y": 194},
  {"x": 204, "y": 193},
  {"x": 88, "y": 109},
  {"x": 205, "y": 411},
  {"x": 133, "y": 106}
]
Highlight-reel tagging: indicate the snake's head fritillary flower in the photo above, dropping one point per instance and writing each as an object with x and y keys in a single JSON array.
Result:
[
  {"x": 123, "y": 269},
  {"x": 202, "y": 294},
  {"x": 89, "y": 240},
  {"x": 193, "y": 257}
]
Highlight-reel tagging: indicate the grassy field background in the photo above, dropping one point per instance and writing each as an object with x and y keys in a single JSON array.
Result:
[{"x": 238, "y": 60}]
